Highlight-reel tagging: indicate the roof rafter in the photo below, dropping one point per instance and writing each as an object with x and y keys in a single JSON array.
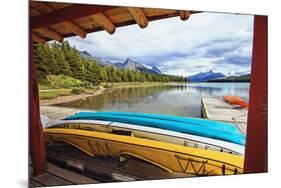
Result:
[
  {"x": 104, "y": 22},
  {"x": 66, "y": 14},
  {"x": 184, "y": 14},
  {"x": 38, "y": 39},
  {"x": 49, "y": 33},
  {"x": 74, "y": 28},
  {"x": 139, "y": 16}
]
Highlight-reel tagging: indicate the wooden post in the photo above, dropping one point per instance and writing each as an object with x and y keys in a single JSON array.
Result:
[
  {"x": 37, "y": 143},
  {"x": 256, "y": 138}
]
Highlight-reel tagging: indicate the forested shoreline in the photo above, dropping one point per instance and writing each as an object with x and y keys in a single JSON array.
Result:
[{"x": 62, "y": 60}]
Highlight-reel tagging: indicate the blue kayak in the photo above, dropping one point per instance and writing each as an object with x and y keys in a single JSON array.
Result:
[
  {"x": 194, "y": 121},
  {"x": 199, "y": 127}
]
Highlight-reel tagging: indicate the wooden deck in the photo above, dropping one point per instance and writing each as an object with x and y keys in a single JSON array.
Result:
[
  {"x": 218, "y": 109},
  {"x": 56, "y": 176}
]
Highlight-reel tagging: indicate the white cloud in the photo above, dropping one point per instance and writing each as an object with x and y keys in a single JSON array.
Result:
[{"x": 206, "y": 40}]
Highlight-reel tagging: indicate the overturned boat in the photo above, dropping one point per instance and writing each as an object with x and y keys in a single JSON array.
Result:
[
  {"x": 169, "y": 157},
  {"x": 149, "y": 133},
  {"x": 195, "y": 126}
]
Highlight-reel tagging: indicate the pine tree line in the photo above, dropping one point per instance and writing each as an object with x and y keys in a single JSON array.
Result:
[{"x": 62, "y": 59}]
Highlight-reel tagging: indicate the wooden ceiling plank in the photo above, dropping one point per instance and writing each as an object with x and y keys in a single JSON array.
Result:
[
  {"x": 49, "y": 33},
  {"x": 74, "y": 28},
  {"x": 38, "y": 39},
  {"x": 66, "y": 14},
  {"x": 104, "y": 22},
  {"x": 34, "y": 12},
  {"x": 58, "y": 5},
  {"x": 139, "y": 16},
  {"x": 41, "y": 7},
  {"x": 46, "y": 8},
  {"x": 184, "y": 14}
]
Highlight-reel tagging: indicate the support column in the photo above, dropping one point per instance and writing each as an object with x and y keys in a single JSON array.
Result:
[
  {"x": 256, "y": 138},
  {"x": 37, "y": 143}
]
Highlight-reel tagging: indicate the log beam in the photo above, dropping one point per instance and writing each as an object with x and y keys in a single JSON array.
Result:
[
  {"x": 74, "y": 28},
  {"x": 104, "y": 22},
  {"x": 184, "y": 14},
  {"x": 35, "y": 38},
  {"x": 36, "y": 137},
  {"x": 139, "y": 16},
  {"x": 66, "y": 14},
  {"x": 256, "y": 140},
  {"x": 49, "y": 33}
]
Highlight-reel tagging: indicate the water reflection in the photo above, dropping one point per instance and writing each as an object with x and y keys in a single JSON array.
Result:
[{"x": 176, "y": 99}]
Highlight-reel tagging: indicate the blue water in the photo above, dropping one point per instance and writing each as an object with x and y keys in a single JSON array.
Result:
[{"x": 174, "y": 99}]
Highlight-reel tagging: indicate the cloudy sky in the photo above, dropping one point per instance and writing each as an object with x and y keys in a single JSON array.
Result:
[{"x": 207, "y": 41}]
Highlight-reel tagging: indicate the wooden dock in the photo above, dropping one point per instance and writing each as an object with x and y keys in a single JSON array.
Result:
[
  {"x": 54, "y": 112},
  {"x": 218, "y": 109}
]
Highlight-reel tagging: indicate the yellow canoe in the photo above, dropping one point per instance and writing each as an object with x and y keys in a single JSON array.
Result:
[{"x": 170, "y": 157}]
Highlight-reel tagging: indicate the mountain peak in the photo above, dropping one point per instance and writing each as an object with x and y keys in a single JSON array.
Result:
[
  {"x": 205, "y": 76},
  {"x": 128, "y": 60},
  {"x": 85, "y": 52},
  {"x": 154, "y": 68},
  {"x": 127, "y": 64}
]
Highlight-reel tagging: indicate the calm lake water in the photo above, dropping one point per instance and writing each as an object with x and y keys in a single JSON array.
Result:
[{"x": 175, "y": 99}]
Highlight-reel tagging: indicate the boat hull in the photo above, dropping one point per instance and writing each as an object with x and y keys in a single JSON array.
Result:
[
  {"x": 164, "y": 123},
  {"x": 151, "y": 133},
  {"x": 169, "y": 157}
]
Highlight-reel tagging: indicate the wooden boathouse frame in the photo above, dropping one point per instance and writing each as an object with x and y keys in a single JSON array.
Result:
[{"x": 56, "y": 21}]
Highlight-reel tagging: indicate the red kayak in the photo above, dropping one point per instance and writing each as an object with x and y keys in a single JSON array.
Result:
[{"x": 235, "y": 100}]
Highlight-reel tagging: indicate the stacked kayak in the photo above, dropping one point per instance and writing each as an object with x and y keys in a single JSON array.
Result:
[
  {"x": 175, "y": 144},
  {"x": 200, "y": 127},
  {"x": 167, "y": 156},
  {"x": 149, "y": 133}
]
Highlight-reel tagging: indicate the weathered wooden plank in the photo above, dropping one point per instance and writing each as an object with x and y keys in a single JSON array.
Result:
[
  {"x": 229, "y": 115},
  {"x": 55, "y": 175},
  {"x": 216, "y": 103},
  {"x": 69, "y": 175},
  {"x": 34, "y": 183},
  {"x": 48, "y": 179}
]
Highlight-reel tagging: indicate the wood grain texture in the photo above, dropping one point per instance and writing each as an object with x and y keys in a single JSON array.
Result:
[
  {"x": 49, "y": 33},
  {"x": 256, "y": 159},
  {"x": 184, "y": 14},
  {"x": 37, "y": 141},
  {"x": 37, "y": 39},
  {"x": 104, "y": 22},
  {"x": 139, "y": 16}
]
